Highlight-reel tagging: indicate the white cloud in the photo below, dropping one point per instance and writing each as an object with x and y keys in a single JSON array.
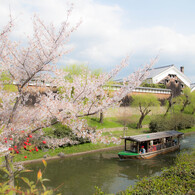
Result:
[{"x": 103, "y": 38}]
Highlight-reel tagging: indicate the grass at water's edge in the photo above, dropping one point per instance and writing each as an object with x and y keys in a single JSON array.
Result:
[
  {"x": 54, "y": 152},
  {"x": 82, "y": 147},
  {"x": 76, "y": 148},
  {"x": 188, "y": 130}
]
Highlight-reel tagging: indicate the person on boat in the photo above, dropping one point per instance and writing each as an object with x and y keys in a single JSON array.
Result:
[{"x": 142, "y": 150}]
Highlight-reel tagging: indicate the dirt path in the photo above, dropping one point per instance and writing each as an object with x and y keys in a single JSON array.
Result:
[
  {"x": 112, "y": 129},
  {"x": 118, "y": 128},
  {"x": 129, "y": 111}
]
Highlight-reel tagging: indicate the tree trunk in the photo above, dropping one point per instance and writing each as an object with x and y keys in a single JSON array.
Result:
[
  {"x": 170, "y": 104},
  {"x": 14, "y": 109},
  {"x": 9, "y": 163},
  {"x": 139, "y": 124},
  {"x": 124, "y": 131},
  {"x": 193, "y": 111},
  {"x": 101, "y": 117},
  {"x": 184, "y": 105}
]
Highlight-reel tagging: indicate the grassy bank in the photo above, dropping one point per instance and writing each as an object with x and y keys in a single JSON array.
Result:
[
  {"x": 112, "y": 126},
  {"x": 54, "y": 152},
  {"x": 71, "y": 149},
  {"x": 188, "y": 130},
  {"x": 178, "y": 179},
  {"x": 82, "y": 147},
  {"x": 78, "y": 148}
]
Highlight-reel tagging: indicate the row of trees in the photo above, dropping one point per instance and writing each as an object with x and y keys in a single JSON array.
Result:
[{"x": 183, "y": 103}]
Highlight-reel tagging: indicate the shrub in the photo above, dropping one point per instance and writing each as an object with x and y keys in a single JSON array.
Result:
[
  {"x": 58, "y": 131},
  {"x": 62, "y": 130},
  {"x": 183, "y": 121},
  {"x": 31, "y": 187},
  {"x": 178, "y": 179},
  {"x": 158, "y": 124},
  {"x": 174, "y": 122},
  {"x": 153, "y": 85},
  {"x": 189, "y": 110}
]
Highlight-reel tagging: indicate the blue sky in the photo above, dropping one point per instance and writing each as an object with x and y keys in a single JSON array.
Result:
[
  {"x": 111, "y": 29},
  {"x": 178, "y": 14}
]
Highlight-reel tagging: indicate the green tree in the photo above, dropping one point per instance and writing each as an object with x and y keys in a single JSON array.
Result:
[
  {"x": 75, "y": 69},
  {"x": 144, "y": 102},
  {"x": 192, "y": 104},
  {"x": 185, "y": 101},
  {"x": 169, "y": 104}
]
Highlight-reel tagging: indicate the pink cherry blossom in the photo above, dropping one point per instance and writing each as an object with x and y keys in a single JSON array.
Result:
[{"x": 84, "y": 96}]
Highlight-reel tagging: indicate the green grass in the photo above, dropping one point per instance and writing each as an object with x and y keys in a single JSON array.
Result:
[
  {"x": 10, "y": 88},
  {"x": 1, "y": 160},
  {"x": 110, "y": 122},
  {"x": 128, "y": 132},
  {"x": 83, "y": 147},
  {"x": 133, "y": 120},
  {"x": 77, "y": 148},
  {"x": 188, "y": 130},
  {"x": 54, "y": 152}
]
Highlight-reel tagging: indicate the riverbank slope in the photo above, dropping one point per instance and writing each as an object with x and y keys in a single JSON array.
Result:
[{"x": 50, "y": 154}]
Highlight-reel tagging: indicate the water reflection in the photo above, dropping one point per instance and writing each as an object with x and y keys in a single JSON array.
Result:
[{"x": 79, "y": 174}]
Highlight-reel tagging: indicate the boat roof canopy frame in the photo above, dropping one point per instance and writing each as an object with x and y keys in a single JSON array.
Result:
[{"x": 153, "y": 136}]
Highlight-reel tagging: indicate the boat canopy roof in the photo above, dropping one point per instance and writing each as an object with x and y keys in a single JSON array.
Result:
[{"x": 152, "y": 136}]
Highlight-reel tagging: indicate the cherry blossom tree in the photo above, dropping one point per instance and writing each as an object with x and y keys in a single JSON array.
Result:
[{"x": 83, "y": 96}]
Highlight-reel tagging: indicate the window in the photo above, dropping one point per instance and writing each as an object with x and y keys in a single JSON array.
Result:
[{"x": 172, "y": 75}]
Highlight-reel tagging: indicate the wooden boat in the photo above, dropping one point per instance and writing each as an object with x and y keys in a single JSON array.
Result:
[{"x": 146, "y": 146}]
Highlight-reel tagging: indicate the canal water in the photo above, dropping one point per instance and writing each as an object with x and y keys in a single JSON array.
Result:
[{"x": 80, "y": 174}]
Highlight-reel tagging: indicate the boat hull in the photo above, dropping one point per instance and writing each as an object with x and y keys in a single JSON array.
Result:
[{"x": 149, "y": 155}]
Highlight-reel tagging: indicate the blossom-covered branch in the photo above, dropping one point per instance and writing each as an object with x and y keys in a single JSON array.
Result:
[{"x": 69, "y": 102}]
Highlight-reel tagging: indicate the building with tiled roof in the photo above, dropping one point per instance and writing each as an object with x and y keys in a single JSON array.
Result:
[{"x": 171, "y": 76}]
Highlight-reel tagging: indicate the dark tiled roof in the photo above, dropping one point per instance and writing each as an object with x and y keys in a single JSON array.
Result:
[
  {"x": 153, "y": 136},
  {"x": 158, "y": 70}
]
